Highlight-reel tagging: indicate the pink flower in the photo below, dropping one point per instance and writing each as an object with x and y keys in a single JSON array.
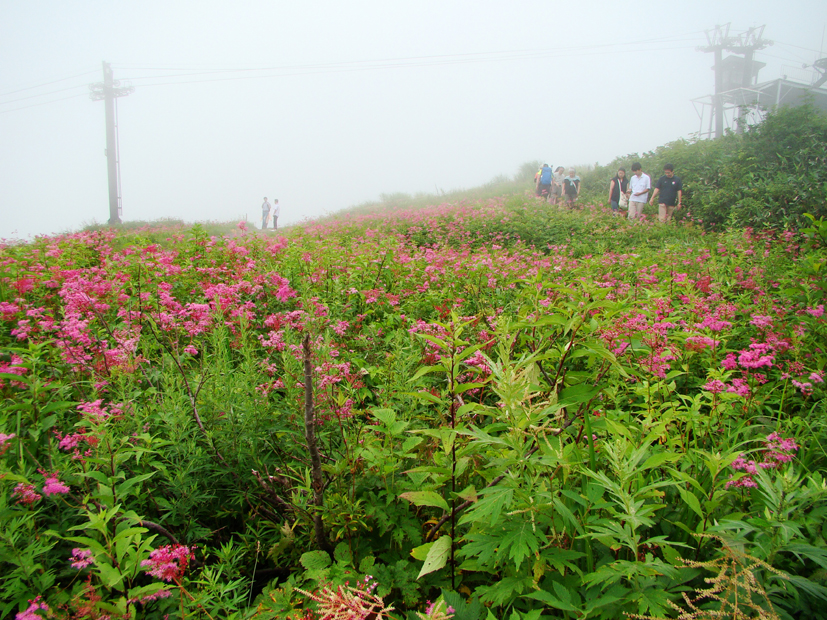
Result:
[
  {"x": 4, "y": 445},
  {"x": 26, "y": 494},
  {"x": 53, "y": 484},
  {"x": 729, "y": 362},
  {"x": 191, "y": 350},
  {"x": 94, "y": 411},
  {"x": 761, "y": 321},
  {"x": 817, "y": 311},
  {"x": 715, "y": 386},
  {"x": 815, "y": 377},
  {"x": 754, "y": 359},
  {"x": 805, "y": 387},
  {"x": 82, "y": 558},
  {"x": 31, "y": 613},
  {"x": 740, "y": 387},
  {"x": 169, "y": 562}
]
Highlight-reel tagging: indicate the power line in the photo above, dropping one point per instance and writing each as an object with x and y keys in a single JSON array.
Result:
[
  {"x": 34, "y": 105},
  {"x": 53, "y": 92},
  {"x": 412, "y": 60},
  {"x": 71, "y": 77},
  {"x": 290, "y": 71}
]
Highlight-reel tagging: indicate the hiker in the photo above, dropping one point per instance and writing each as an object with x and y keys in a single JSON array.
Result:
[
  {"x": 571, "y": 187},
  {"x": 670, "y": 189},
  {"x": 276, "y": 213},
  {"x": 639, "y": 184},
  {"x": 618, "y": 191},
  {"x": 265, "y": 213},
  {"x": 537, "y": 181},
  {"x": 557, "y": 185},
  {"x": 544, "y": 184}
]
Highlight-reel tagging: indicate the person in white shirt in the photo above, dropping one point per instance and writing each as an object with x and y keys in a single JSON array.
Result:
[
  {"x": 640, "y": 184},
  {"x": 265, "y": 213},
  {"x": 276, "y": 213}
]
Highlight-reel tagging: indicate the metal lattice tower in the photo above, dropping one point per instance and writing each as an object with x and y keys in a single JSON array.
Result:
[{"x": 109, "y": 90}]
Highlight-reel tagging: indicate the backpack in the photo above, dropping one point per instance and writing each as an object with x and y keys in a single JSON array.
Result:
[{"x": 545, "y": 176}]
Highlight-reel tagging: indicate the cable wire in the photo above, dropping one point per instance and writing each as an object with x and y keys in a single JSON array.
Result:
[
  {"x": 34, "y": 105},
  {"x": 71, "y": 77},
  {"x": 53, "y": 92}
]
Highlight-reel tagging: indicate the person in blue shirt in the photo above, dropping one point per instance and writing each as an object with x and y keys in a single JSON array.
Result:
[{"x": 544, "y": 182}]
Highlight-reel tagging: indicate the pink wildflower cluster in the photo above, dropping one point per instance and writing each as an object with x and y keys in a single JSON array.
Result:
[
  {"x": 4, "y": 442},
  {"x": 26, "y": 494},
  {"x": 31, "y": 613},
  {"x": 357, "y": 602},
  {"x": 168, "y": 563},
  {"x": 437, "y": 611},
  {"x": 53, "y": 484},
  {"x": 777, "y": 451},
  {"x": 81, "y": 558}
]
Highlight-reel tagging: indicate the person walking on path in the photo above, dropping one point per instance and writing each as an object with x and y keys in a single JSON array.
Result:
[
  {"x": 557, "y": 186},
  {"x": 640, "y": 184},
  {"x": 544, "y": 185},
  {"x": 571, "y": 187},
  {"x": 276, "y": 213},
  {"x": 670, "y": 189},
  {"x": 265, "y": 213},
  {"x": 618, "y": 189}
]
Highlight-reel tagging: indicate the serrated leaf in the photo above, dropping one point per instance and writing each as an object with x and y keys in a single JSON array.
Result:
[
  {"x": 366, "y": 564},
  {"x": 342, "y": 553},
  {"x": 385, "y": 416},
  {"x": 469, "y": 494},
  {"x": 548, "y": 598},
  {"x": 315, "y": 560},
  {"x": 437, "y": 556},
  {"x": 426, "y": 498}
]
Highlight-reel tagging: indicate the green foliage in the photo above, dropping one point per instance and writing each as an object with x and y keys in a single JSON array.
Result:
[
  {"x": 521, "y": 412},
  {"x": 768, "y": 177}
]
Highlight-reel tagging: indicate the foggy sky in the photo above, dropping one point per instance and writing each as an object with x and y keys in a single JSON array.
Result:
[{"x": 339, "y": 121}]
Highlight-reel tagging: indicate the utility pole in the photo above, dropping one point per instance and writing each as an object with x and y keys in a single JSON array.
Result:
[{"x": 109, "y": 90}]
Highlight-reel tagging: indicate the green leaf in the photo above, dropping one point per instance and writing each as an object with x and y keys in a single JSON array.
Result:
[
  {"x": 421, "y": 552},
  {"x": 366, "y": 565},
  {"x": 426, "y": 498},
  {"x": 548, "y": 598},
  {"x": 424, "y": 371},
  {"x": 658, "y": 459},
  {"x": 576, "y": 394},
  {"x": 110, "y": 575},
  {"x": 315, "y": 560},
  {"x": 691, "y": 501},
  {"x": 385, "y": 416},
  {"x": 437, "y": 556},
  {"x": 125, "y": 486}
]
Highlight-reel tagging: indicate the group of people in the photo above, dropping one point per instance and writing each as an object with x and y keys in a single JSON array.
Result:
[
  {"x": 633, "y": 193},
  {"x": 630, "y": 193},
  {"x": 267, "y": 211},
  {"x": 555, "y": 187}
]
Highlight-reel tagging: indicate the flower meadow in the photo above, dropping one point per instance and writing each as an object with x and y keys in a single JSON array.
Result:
[{"x": 476, "y": 411}]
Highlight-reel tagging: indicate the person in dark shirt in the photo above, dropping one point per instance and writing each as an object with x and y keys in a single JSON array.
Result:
[
  {"x": 670, "y": 189},
  {"x": 571, "y": 187},
  {"x": 619, "y": 186}
]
